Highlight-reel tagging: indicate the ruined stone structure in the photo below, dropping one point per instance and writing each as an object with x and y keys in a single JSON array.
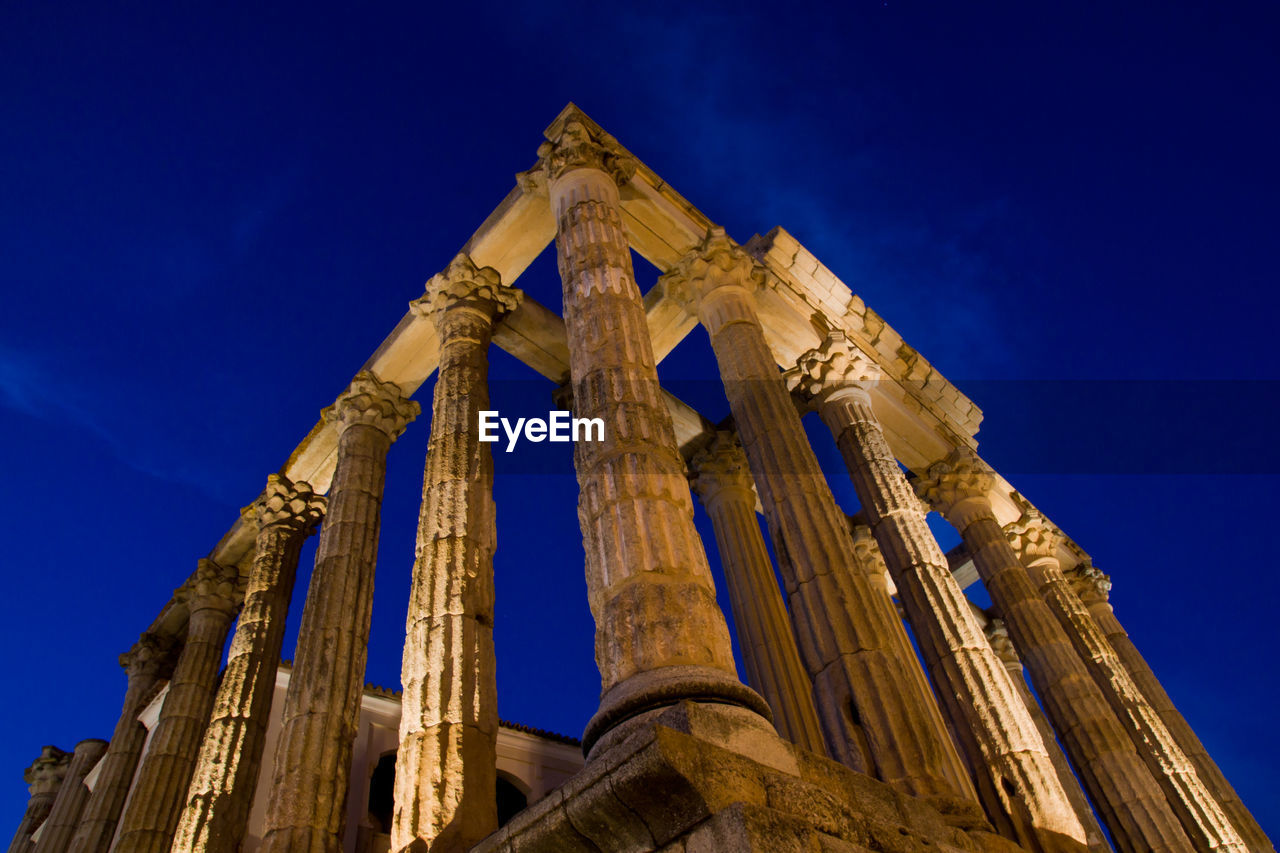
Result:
[{"x": 1035, "y": 725}]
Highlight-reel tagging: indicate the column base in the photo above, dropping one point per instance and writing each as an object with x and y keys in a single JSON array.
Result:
[{"x": 698, "y": 778}]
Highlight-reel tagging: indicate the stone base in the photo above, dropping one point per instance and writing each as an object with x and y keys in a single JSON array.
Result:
[{"x": 704, "y": 777}]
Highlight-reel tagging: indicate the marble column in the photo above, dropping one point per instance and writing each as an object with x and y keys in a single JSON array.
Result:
[
  {"x": 1036, "y": 542},
  {"x": 660, "y": 635},
  {"x": 67, "y": 808},
  {"x": 998, "y": 636},
  {"x": 1093, "y": 589},
  {"x": 1001, "y": 737},
  {"x": 159, "y": 793},
  {"x": 845, "y": 626},
  {"x": 218, "y": 801},
  {"x": 722, "y": 481},
  {"x": 149, "y": 661},
  {"x": 44, "y": 778},
  {"x": 306, "y": 805},
  {"x": 1119, "y": 784},
  {"x": 446, "y": 762}
]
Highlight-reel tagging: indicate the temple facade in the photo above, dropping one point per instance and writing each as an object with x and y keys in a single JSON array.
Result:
[{"x": 1034, "y": 724}]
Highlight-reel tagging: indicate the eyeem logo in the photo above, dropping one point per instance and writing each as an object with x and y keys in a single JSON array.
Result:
[{"x": 560, "y": 428}]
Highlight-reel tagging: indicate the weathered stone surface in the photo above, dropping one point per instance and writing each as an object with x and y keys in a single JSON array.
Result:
[
  {"x": 60, "y": 826},
  {"x": 1036, "y": 540},
  {"x": 871, "y": 707},
  {"x": 151, "y": 814},
  {"x": 305, "y": 809},
  {"x": 659, "y": 633},
  {"x": 1006, "y": 750},
  {"x": 150, "y": 660},
  {"x": 1119, "y": 784},
  {"x": 44, "y": 778},
  {"x": 445, "y": 774},
  {"x": 226, "y": 774},
  {"x": 723, "y": 482}
]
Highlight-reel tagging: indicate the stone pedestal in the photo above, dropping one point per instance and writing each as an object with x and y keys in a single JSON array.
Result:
[
  {"x": 306, "y": 806},
  {"x": 874, "y": 714},
  {"x": 60, "y": 826},
  {"x": 445, "y": 765},
  {"x": 220, "y": 796},
  {"x": 159, "y": 793},
  {"x": 150, "y": 660},
  {"x": 1036, "y": 542},
  {"x": 660, "y": 636},
  {"x": 1007, "y": 753},
  {"x": 44, "y": 778},
  {"x": 723, "y": 482},
  {"x": 1119, "y": 784},
  {"x": 1093, "y": 587}
]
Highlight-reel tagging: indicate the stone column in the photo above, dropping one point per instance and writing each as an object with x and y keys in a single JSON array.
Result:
[
  {"x": 660, "y": 636},
  {"x": 1036, "y": 542},
  {"x": 723, "y": 482},
  {"x": 218, "y": 801},
  {"x": 1004, "y": 744},
  {"x": 1132, "y": 804},
  {"x": 151, "y": 814},
  {"x": 1093, "y": 588},
  {"x": 44, "y": 778},
  {"x": 306, "y": 807},
  {"x": 67, "y": 808},
  {"x": 446, "y": 762},
  {"x": 998, "y": 637},
  {"x": 148, "y": 662},
  {"x": 845, "y": 626}
]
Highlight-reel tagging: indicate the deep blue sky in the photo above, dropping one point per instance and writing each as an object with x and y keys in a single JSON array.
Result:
[{"x": 209, "y": 219}]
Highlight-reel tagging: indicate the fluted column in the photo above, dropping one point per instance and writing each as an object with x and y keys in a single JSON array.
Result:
[
  {"x": 844, "y": 625},
  {"x": 44, "y": 778},
  {"x": 306, "y": 806},
  {"x": 1007, "y": 748},
  {"x": 998, "y": 636},
  {"x": 660, "y": 636},
  {"x": 150, "y": 660},
  {"x": 1036, "y": 542},
  {"x": 151, "y": 814},
  {"x": 723, "y": 483},
  {"x": 65, "y": 815},
  {"x": 220, "y": 796},
  {"x": 1093, "y": 588},
  {"x": 1119, "y": 784},
  {"x": 446, "y": 762}
]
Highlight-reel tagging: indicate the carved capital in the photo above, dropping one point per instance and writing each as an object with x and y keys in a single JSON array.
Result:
[
  {"x": 834, "y": 366},
  {"x": 576, "y": 142},
  {"x": 212, "y": 587},
  {"x": 717, "y": 262},
  {"x": 720, "y": 465},
  {"x": 998, "y": 636},
  {"x": 1032, "y": 535},
  {"x": 959, "y": 478},
  {"x": 463, "y": 285},
  {"x": 286, "y": 504},
  {"x": 370, "y": 402},
  {"x": 151, "y": 657},
  {"x": 45, "y": 774},
  {"x": 1092, "y": 585}
]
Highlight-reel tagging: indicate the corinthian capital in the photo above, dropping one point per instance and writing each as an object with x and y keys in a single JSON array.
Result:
[
  {"x": 287, "y": 504},
  {"x": 152, "y": 656},
  {"x": 464, "y": 285},
  {"x": 370, "y": 402},
  {"x": 1092, "y": 585},
  {"x": 1033, "y": 536},
  {"x": 576, "y": 142},
  {"x": 960, "y": 477},
  {"x": 212, "y": 587},
  {"x": 45, "y": 774},
  {"x": 835, "y": 365},
  {"x": 714, "y": 263},
  {"x": 998, "y": 636},
  {"x": 722, "y": 464}
]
